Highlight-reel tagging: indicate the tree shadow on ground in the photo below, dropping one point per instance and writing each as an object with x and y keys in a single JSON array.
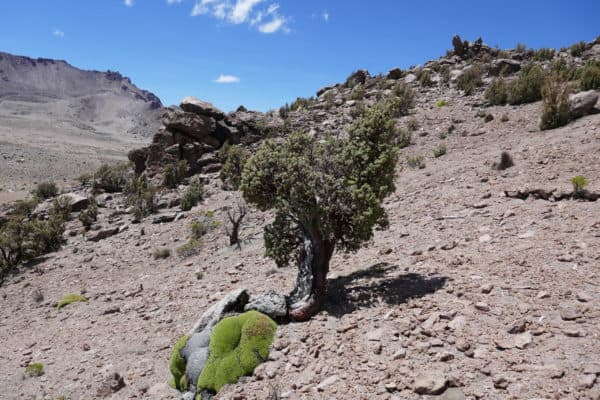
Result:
[{"x": 376, "y": 285}]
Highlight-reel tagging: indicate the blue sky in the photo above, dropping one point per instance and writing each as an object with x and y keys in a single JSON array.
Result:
[{"x": 263, "y": 53}]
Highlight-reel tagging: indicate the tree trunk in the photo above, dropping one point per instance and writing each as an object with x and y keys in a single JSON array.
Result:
[{"x": 311, "y": 283}]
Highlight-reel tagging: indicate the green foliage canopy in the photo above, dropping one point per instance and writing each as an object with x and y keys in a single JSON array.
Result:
[{"x": 332, "y": 188}]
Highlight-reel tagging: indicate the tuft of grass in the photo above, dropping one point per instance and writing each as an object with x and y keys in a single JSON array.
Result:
[
  {"x": 191, "y": 248},
  {"x": 68, "y": 299},
  {"x": 161, "y": 253},
  {"x": 589, "y": 77},
  {"x": 578, "y": 48},
  {"x": 441, "y": 103},
  {"x": 34, "y": 369},
  {"x": 506, "y": 162},
  {"x": 555, "y": 108},
  {"x": 528, "y": 86},
  {"x": 470, "y": 79},
  {"x": 45, "y": 190},
  {"x": 439, "y": 151},
  {"x": 192, "y": 194},
  {"x": 497, "y": 92},
  {"x": 416, "y": 162},
  {"x": 579, "y": 183},
  {"x": 504, "y": 118}
]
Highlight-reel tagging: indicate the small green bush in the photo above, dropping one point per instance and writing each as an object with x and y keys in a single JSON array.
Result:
[
  {"x": 544, "y": 54},
  {"x": 34, "y": 369},
  {"x": 528, "y": 86},
  {"x": 561, "y": 68},
  {"x": 161, "y": 253},
  {"x": 233, "y": 158},
  {"x": 416, "y": 162},
  {"x": 578, "y": 48},
  {"x": 141, "y": 196},
  {"x": 470, "y": 79},
  {"x": 203, "y": 225},
  {"x": 302, "y": 103},
  {"x": 579, "y": 183},
  {"x": 401, "y": 100},
  {"x": 555, "y": 107},
  {"x": 23, "y": 238},
  {"x": 439, "y": 150},
  {"x": 441, "y": 103},
  {"x": 589, "y": 76},
  {"x": 191, "y": 248},
  {"x": 358, "y": 93},
  {"x": 69, "y": 299},
  {"x": 424, "y": 77},
  {"x": 412, "y": 125},
  {"x": 237, "y": 346},
  {"x": 89, "y": 215},
  {"x": 175, "y": 173},
  {"x": 403, "y": 137},
  {"x": 46, "y": 190},
  {"x": 61, "y": 208},
  {"x": 112, "y": 178},
  {"x": 497, "y": 92},
  {"x": 192, "y": 194}
]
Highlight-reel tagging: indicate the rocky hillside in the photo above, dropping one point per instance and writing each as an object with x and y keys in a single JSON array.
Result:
[
  {"x": 485, "y": 286},
  {"x": 49, "y": 108}
]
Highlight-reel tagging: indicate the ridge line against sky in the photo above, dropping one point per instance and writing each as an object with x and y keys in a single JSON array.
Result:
[{"x": 264, "y": 53}]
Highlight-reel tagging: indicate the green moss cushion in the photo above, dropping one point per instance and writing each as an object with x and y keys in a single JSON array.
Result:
[
  {"x": 237, "y": 345},
  {"x": 177, "y": 365}
]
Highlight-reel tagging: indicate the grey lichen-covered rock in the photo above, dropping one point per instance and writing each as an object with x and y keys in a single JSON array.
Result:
[
  {"x": 270, "y": 303},
  {"x": 581, "y": 104}
]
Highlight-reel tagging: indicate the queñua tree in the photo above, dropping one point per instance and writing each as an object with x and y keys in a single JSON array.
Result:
[{"x": 327, "y": 196}]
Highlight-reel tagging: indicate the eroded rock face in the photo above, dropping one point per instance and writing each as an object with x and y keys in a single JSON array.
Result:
[{"x": 197, "y": 128}]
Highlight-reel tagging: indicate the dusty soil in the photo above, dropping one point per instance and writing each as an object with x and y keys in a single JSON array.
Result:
[{"x": 438, "y": 294}]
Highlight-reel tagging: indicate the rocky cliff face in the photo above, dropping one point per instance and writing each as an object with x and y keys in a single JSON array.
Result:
[
  {"x": 90, "y": 100},
  {"x": 58, "y": 121}
]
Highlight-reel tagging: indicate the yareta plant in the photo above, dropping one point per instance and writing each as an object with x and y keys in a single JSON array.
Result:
[{"x": 327, "y": 196}]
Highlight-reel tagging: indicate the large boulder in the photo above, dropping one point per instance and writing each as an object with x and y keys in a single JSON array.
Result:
[
  {"x": 200, "y": 107},
  {"x": 504, "y": 64},
  {"x": 395, "y": 74},
  {"x": 196, "y": 126},
  {"x": 581, "y": 104}
]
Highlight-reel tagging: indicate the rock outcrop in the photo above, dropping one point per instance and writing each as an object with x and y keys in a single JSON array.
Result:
[{"x": 196, "y": 128}]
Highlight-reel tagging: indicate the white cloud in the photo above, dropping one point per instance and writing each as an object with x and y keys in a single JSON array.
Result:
[
  {"x": 325, "y": 15},
  {"x": 58, "y": 33},
  {"x": 128, "y": 3},
  {"x": 271, "y": 27},
  {"x": 227, "y": 79},
  {"x": 243, "y": 11}
]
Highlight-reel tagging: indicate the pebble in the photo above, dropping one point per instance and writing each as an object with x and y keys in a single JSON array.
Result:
[
  {"x": 481, "y": 306},
  {"x": 453, "y": 394},
  {"x": 430, "y": 383},
  {"x": 487, "y": 288},
  {"x": 500, "y": 382},
  {"x": 327, "y": 382}
]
